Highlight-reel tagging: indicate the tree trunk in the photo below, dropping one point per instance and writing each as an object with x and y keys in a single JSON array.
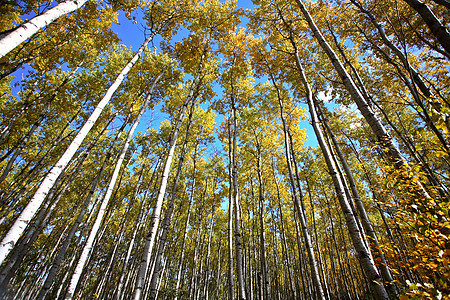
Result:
[
  {"x": 366, "y": 224},
  {"x": 236, "y": 197},
  {"x": 92, "y": 235},
  {"x": 363, "y": 254},
  {"x": 262, "y": 235},
  {"x": 140, "y": 220},
  {"x": 439, "y": 31},
  {"x": 107, "y": 277},
  {"x": 155, "y": 218},
  {"x": 300, "y": 212},
  {"x": 206, "y": 279},
  {"x": 385, "y": 140},
  {"x": 169, "y": 210},
  {"x": 198, "y": 240},
  {"x": 42, "y": 217},
  {"x": 183, "y": 246},
  {"x": 24, "y": 31},
  {"x": 321, "y": 264},
  {"x": 16, "y": 230},
  {"x": 230, "y": 218}
]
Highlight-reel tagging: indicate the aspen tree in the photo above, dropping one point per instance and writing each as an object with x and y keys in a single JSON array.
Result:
[
  {"x": 24, "y": 31},
  {"x": 155, "y": 218},
  {"x": 196, "y": 265},
  {"x": 440, "y": 32},
  {"x": 19, "y": 226},
  {"x": 93, "y": 233},
  {"x": 236, "y": 199},
  {"x": 206, "y": 278},
  {"x": 65, "y": 245},
  {"x": 385, "y": 140},
  {"x": 368, "y": 228},
  {"x": 168, "y": 214},
  {"x": 118, "y": 293},
  {"x": 262, "y": 237},
  {"x": 183, "y": 245},
  {"x": 231, "y": 209},
  {"x": 363, "y": 253},
  {"x": 295, "y": 190},
  {"x": 44, "y": 214}
]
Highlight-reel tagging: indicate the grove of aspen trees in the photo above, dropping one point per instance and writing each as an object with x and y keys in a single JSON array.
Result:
[{"x": 273, "y": 149}]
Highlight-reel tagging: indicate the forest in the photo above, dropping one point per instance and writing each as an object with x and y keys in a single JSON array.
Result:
[{"x": 273, "y": 149}]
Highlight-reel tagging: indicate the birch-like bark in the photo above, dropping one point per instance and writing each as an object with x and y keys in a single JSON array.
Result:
[
  {"x": 276, "y": 275},
  {"x": 45, "y": 212},
  {"x": 300, "y": 212},
  {"x": 285, "y": 252},
  {"x": 198, "y": 242},
  {"x": 439, "y": 31},
  {"x": 206, "y": 278},
  {"x": 236, "y": 197},
  {"x": 22, "y": 181},
  {"x": 262, "y": 235},
  {"x": 350, "y": 276},
  {"x": 183, "y": 245},
  {"x": 302, "y": 266},
  {"x": 140, "y": 220},
  {"x": 22, "y": 184},
  {"x": 364, "y": 255},
  {"x": 219, "y": 286},
  {"x": 14, "y": 233},
  {"x": 251, "y": 249},
  {"x": 230, "y": 219},
  {"x": 366, "y": 224},
  {"x": 333, "y": 276},
  {"x": 24, "y": 31},
  {"x": 155, "y": 218},
  {"x": 36, "y": 228},
  {"x": 62, "y": 251},
  {"x": 106, "y": 279},
  {"x": 92, "y": 235},
  {"x": 385, "y": 140},
  {"x": 321, "y": 264},
  {"x": 168, "y": 215}
]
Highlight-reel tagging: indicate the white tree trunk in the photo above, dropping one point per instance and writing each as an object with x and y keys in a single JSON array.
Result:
[
  {"x": 93, "y": 234},
  {"x": 183, "y": 246},
  {"x": 151, "y": 237},
  {"x": 14, "y": 233},
  {"x": 364, "y": 256},
  {"x": 24, "y": 31},
  {"x": 165, "y": 225},
  {"x": 155, "y": 218}
]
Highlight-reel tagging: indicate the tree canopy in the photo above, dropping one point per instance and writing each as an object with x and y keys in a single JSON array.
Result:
[{"x": 279, "y": 149}]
